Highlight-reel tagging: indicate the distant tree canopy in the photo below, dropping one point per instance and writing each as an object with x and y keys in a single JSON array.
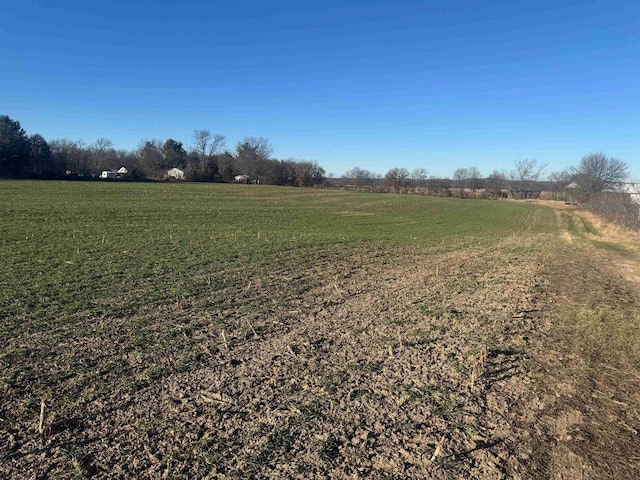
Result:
[
  {"x": 15, "y": 151},
  {"x": 151, "y": 160},
  {"x": 174, "y": 153},
  {"x": 360, "y": 176},
  {"x": 466, "y": 178},
  {"x": 23, "y": 156},
  {"x": 208, "y": 160},
  {"x": 40, "y": 158}
]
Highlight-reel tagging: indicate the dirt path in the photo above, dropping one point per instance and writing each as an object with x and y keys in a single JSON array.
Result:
[{"x": 591, "y": 360}]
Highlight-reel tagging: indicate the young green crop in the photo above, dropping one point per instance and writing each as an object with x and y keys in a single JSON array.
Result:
[{"x": 112, "y": 248}]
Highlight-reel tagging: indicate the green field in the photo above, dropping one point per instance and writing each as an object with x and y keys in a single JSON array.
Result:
[
  {"x": 79, "y": 248},
  {"x": 242, "y": 331}
]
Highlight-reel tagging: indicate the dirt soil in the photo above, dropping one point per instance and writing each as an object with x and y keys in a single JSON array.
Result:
[{"x": 379, "y": 364}]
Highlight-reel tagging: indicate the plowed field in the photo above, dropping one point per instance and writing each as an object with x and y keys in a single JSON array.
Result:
[{"x": 215, "y": 331}]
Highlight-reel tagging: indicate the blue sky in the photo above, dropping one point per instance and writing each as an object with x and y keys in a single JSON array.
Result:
[{"x": 374, "y": 84}]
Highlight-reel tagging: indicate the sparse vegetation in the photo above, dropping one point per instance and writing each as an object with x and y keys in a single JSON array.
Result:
[{"x": 225, "y": 331}]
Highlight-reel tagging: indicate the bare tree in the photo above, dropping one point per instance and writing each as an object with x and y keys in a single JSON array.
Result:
[
  {"x": 460, "y": 176},
  {"x": 72, "y": 155},
  {"x": 597, "y": 172},
  {"x": 259, "y": 146},
  {"x": 217, "y": 144},
  {"x": 202, "y": 165},
  {"x": 560, "y": 177},
  {"x": 103, "y": 144},
  {"x": 528, "y": 172},
  {"x": 200, "y": 140},
  {"x": 360, "y": 176},
  {"x": 396, "y": 178},
  {"x": 102, "y": 154},
  {"x": 495, "y": 183},
  {"x": 466, "y": 177},
  {"x": 473, "y": 178},
  {"x": 82, "y": 156},
  {"x": 557, "y": 181},
  {"x": 419, "y": 175}
]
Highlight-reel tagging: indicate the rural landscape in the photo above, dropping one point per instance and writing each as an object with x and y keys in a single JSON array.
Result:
[
  {"x": 341, "y": 240},
  {"x": 207, "y": 330}
]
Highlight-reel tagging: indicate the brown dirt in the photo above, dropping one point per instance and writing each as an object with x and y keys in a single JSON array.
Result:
[{"x": 383, "y": 364}]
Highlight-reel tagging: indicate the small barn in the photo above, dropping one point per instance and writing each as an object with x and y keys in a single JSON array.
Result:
[{"x": 175, "y": 174}]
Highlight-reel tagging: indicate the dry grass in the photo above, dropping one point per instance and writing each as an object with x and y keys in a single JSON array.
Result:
[
  {"x": 592, "y": 359},
  {"x": 605, "y": 333}
]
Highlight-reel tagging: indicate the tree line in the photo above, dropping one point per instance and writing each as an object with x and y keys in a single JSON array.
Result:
[
  {"x": 207, "y": 159},
  {"x": 595, "y": 172}
]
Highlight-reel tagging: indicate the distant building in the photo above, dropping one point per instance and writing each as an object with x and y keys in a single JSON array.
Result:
[
  {"x": 631, "y": 189},
  {"x": 122, "y": 171},
  {"x": 241, "y": 178},
  {"x": 109, "y": 174},
  {"x": 175, "y": 174}
]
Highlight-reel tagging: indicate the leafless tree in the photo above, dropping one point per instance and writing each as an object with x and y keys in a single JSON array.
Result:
[
  {"x": 466, "y": 177},
  {"x": 557, "y": 181},
  {"x": 495, "y": 183},
  {"x": 560, "y": 177},
  {"x": 529, "y": 170},
  {"x": 527, "y": 173},
  {"x": 419, "y": 175},
  {"x": 259, "y": 146},
  {"x": 396, "y": 178},
  {"x": 460, "y": 176},
  {"x": 102, "y": 154},
  {"x": 200, "y": 140},
  {"x": 217, "y": 144},
  {"x": 303, "y": 173},
  {"x": 360, "y": 176},
  {"x": 597, "y": 172},
  {"x": 474, "y": 176},
  {"x": 203, "y": 165}
]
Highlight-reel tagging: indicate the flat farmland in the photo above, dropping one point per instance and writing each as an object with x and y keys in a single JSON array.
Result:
[{"x": 243, "y": 331}]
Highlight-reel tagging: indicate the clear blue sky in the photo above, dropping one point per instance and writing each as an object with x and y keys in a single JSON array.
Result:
[{"x": 374, "y": 84}]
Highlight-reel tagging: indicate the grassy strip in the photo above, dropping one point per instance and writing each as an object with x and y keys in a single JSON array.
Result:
[
  {"x": 603, "y": 333},
  {"x": 595, "y": 341}
]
